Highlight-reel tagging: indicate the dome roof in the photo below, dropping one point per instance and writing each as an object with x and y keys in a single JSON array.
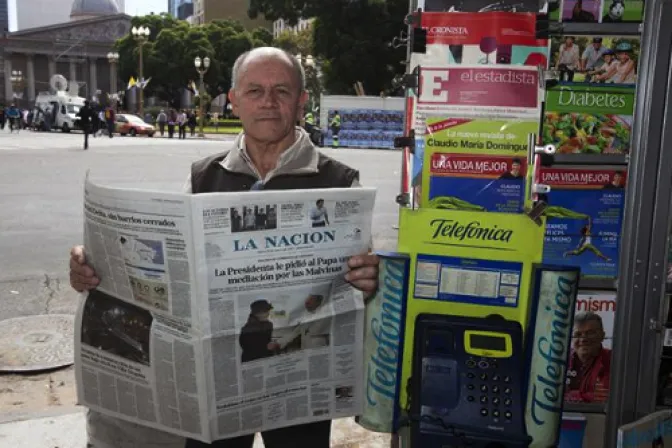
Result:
[{"x": 92, "y": 8}]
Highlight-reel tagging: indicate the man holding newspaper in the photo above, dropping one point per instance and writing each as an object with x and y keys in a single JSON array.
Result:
[{"x": 268, "y": 94}]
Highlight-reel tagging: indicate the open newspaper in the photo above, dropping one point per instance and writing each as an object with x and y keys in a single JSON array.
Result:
[{"x": 223, "y": 314}]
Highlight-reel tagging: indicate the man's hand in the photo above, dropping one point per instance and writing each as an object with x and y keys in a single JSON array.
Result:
[
  {"x": 363, "y": 273},
  {"x": 82, "y": 276}
]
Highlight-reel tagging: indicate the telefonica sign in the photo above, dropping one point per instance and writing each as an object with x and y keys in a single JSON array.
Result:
[{"x": 473, "y": 230}]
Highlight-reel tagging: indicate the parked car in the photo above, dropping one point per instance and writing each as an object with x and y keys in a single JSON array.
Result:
[{"x": 127, "y": 124}]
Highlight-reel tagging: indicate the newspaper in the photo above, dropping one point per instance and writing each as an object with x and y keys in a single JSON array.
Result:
[{"x": 224, "y": 314}]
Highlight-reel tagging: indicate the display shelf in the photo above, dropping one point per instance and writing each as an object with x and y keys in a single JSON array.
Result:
[
  {"x": 596, "y": 29},
  {"x": 586, "y": 408},
  {"x": 590, "y": 159}
]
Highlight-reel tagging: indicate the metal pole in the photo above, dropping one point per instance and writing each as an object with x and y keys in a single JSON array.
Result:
[
  {"x": 200, "y": 105},
  {"x": 142, "y": 78}
]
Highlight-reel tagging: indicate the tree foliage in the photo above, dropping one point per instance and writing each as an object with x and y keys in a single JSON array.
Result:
[
  {"x": 172, "y": 47},
  {"x": 351, "y": 38}
]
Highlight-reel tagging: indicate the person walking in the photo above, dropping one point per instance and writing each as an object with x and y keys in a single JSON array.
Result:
[
  {"x": 3, "y": 117},
  {"x": 161, "y": 119},
  {"x": 86, "y": 115},
  {"x": 191, "y": 120},
  {"x": 272, "y": 154},
  {"x": 110, "y": 120},
  {"x": 172, "y": 120},
  {"x": 335, "y": 129},
  {"x": 14, "y": 118},
  {"x": 182, "y": 124}
]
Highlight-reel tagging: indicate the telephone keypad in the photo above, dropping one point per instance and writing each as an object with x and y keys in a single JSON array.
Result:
[{"x": 499, "y": 409}]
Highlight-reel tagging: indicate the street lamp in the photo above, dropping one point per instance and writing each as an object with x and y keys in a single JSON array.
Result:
[
  {"x": 202, "y": 67},
  {"x": 141, "y": 35},
  {"x": 113, "y": 58},
  {"x": 16, "y": 80}
]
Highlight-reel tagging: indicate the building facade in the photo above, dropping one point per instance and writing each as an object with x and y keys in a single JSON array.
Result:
[
  {"x": 4, "y": 17},
  {"x": 30, "y": 13},
  {"x": 208, "y": 10},
  {"x": 77, "y": 50},
  {"x": 281, "y": 25},
  {"x": 181, "y": 9}
]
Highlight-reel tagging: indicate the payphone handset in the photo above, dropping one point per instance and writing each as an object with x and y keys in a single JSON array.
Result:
[{"x": 468, "y": 375}]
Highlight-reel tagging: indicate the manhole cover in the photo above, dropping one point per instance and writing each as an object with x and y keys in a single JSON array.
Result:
[{"x": 35, "y": 343}]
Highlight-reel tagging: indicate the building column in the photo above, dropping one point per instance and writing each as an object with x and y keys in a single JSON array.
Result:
[
  {"x": 52, "y": 66},
  {"x": 9, "y": 90},
  {"x": 73, "y": 71},
  {"x": 30, "y": 76},
  {"x": 113, "y": 78},
  {"x": 93, "y": 77}
]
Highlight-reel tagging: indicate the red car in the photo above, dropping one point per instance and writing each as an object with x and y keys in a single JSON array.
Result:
[{"x": 127, "y": 124}]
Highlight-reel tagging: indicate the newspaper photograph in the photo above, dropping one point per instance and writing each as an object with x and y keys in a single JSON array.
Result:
[{"x": 222, "y": 314}]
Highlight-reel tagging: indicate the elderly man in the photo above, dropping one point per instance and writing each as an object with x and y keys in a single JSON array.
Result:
[{"x": 268, "y": 94}]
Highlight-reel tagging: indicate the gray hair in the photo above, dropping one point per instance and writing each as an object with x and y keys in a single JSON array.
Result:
[
  {"x": 587, "y": 316},
  {"x": 269, "y": 52}
]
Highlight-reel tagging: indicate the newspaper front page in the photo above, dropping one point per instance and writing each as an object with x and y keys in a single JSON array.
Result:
[{"x": 222, "y": 314}]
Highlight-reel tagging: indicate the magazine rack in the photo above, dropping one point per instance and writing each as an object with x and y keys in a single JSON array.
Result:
[{"x": 638, "y": 375}]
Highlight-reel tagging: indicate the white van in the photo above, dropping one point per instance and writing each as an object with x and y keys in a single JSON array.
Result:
[{"x": 61, "y": 108}]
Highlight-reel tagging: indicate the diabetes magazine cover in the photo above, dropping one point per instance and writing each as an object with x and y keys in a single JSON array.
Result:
[
  {"x": 476, "y": 164},
  {"x": 595, "y": 59},
  {"x": 584, "y": 218},
  {"x": 596, "y": 11},
  {"x": 589, "y": 119},
  {"x": 588, "y": 371}
]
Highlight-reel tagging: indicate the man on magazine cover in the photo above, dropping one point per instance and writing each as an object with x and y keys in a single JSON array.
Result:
[
  {"x": 268, "y": 93},
  {"x": 588, "y": 374}
]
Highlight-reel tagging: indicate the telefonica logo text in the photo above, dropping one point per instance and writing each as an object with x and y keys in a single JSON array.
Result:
[{"x": 448, "y": 228}]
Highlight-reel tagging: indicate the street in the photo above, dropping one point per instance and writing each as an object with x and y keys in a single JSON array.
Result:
[{"x": 41, "y": 180}]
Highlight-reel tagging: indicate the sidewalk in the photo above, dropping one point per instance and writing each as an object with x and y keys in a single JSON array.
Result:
[{"x": 67, "y": 429}]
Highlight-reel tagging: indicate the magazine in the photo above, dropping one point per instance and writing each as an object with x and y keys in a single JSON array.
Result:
[
  {"x": 652, "y": 431},
  {"x": 591, "y": 347},
  {"x": 585, "y": 215},
  {"x": 595, "y": 59},
  {"x": 223, "y": 314},
  {"x": 589, "y": 119}
]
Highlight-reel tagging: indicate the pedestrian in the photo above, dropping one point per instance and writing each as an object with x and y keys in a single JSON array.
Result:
[
  {"x": 110, "y": 120},
  {"x": 182, "y": 124},
  {"x": 14, "y": 117},
  {"x": 335, "y": 129},
  {"x": 161, "y": 119},
  {"x": 271, "y": 153},
  {"x": 172, "y": 119},
  {"x": 86, "y": 115},
  {"x": 95, "y": 122},
  {"x": 191, "y": 120},
  {"x": 3, "y": 117}
]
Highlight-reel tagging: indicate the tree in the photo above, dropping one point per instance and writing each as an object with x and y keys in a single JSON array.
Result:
[
  {"x": 350, "y": 37},
  {"x": 172, "y": 47},
  {"x": 296, "y": 43}
]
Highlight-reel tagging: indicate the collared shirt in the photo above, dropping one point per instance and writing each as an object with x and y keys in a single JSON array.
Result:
[{"x": 300, "y": 158}]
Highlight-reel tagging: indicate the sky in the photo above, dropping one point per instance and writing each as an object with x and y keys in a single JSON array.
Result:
[{"x": 133, "y": 8}]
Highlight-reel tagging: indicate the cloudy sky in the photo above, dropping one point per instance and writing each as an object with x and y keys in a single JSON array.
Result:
[{"x": 133, "y": 8}]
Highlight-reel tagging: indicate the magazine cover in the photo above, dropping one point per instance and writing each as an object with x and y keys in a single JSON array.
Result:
[
  {"x": 481, "y": 38},
  {"x": 652, "y": 431},
  {"x": 595, "y": 59},
  {"x": 590, "y": 358},
  {"x": 589, "y": 119},
  {"x": 482, "y": 5},
  {"x": 585, "y": 213},
  {"x": 614, "y": 11},
  {"x": 476, "y": 164},
  {"x": 585, "y": 11}
]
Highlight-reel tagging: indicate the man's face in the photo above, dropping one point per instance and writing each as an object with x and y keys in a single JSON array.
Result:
[
  {"x": 569, "y": 41},
  {"x": 320, "y": 204},
  {"x": 515, "y": 169},
  {"x": 587, "y": 339},
  {"x": 263, "y": 316},
  {"x": 597, "y": 45},
  {"x": 267, "y": 98}
]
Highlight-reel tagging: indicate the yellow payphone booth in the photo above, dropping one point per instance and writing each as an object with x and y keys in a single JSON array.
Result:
[{"x": 467, "y": 310}]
